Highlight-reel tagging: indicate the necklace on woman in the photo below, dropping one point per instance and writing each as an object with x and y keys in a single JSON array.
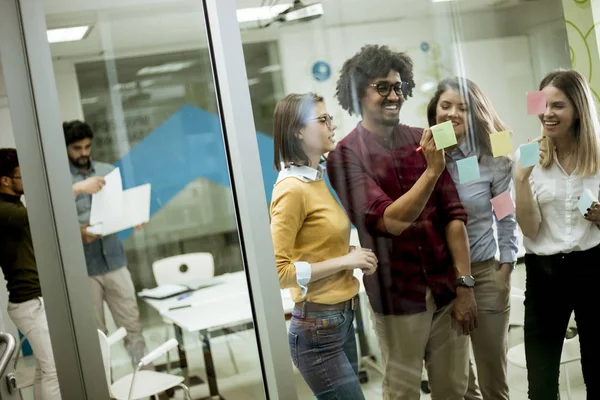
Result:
[{"x": 566, "y": 160}]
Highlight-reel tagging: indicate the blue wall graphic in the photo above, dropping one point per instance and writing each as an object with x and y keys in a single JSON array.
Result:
[{"x": 188, "y": 146}]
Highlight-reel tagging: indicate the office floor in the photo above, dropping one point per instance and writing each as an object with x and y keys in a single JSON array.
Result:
[{"x": 247, "y": 383}]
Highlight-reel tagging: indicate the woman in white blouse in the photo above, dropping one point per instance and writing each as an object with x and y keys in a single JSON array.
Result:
[{"x": 562, "y": 243}]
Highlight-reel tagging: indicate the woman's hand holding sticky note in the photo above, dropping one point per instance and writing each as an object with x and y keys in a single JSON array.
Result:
[
  {"x": 586, "y": 201},
  {"x": 530, "y": 154}
]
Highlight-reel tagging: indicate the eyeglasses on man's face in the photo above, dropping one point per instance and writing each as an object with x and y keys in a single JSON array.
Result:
[
  {"x": 385, "y": 88},
  {"x": 326, "y": 119}
]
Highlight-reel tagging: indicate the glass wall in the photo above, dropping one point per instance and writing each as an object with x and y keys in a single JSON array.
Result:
[
  {"x": 157, "y": 94},
  {"x": 161, "y": 217},
  {"x": 331, "y": 49}
]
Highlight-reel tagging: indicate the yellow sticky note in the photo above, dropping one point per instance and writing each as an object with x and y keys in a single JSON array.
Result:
[{"x": 501, "y": 143}]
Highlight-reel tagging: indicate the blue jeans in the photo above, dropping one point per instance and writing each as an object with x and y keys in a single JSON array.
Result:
[{"x": 323, "y": 348}]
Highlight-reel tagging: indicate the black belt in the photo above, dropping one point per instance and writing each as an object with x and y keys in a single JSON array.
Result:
[{"x": 306, "y": 306}]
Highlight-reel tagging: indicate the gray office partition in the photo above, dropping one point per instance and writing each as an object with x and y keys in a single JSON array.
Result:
[
  {"x": 229, "y": 71},
  {"x": 34, "y": 110}
]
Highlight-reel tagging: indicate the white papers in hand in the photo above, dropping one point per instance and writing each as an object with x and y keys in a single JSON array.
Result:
[
  {"x": 134, "y": 211},
  {"x": 109, "y": 199}
]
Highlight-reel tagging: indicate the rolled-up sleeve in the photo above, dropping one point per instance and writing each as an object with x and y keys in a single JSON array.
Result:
[
  {"x": 363, "y": 199},
  {"x": 449, "y": 203},
  {"x": 507, "y": 227},
  {"x": 288, "y": 212}
]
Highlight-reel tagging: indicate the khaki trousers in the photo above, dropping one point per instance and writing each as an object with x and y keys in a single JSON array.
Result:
[
  {"x": 490, "y": 339},
  {"x": 406, "y": 340},
  {"x": 116, "y": 288},
  {"x": 30, "y": 318}
]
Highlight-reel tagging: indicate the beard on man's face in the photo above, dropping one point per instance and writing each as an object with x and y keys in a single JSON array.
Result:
[
  {"x": 18, "y": 189},
  {"x": 81, "y": 162},
  {"x": 388, "y": 120}
]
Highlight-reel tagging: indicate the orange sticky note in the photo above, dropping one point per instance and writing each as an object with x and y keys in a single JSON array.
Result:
[
  {"x": 501, "y": 143},
  {"x": 536, "y": 103},
  {"x": 503, "y": 205}
]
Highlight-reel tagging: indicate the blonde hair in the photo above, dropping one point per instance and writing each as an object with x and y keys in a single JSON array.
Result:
[{"x": 585, "y": 127}]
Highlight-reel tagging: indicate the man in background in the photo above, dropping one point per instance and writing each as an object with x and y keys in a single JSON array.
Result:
[
  {"x": 104, "y": 255},
  {"x": 17, "y": 259}
]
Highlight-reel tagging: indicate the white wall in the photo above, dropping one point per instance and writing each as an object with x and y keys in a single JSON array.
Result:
[
  {"x": 302, "y": 45},
  {"x": 68, "y": 90}
]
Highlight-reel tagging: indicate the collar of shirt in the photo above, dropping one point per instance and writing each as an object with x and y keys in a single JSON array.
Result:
[
  {"x": 463, "y": 150},
  {"x": 302, "y": 172},
  {"x": 9, "y": 198},
  {"x": 76, "y": 171}
]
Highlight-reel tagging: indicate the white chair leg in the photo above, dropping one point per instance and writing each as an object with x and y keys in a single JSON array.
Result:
[
  {"x": 235, "y": 367},
  {"x": 186, "y": 390},
  {"x": 568, "y": 381}
]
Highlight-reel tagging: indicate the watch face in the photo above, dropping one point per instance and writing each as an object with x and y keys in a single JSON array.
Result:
[{"x": 469, "y": 280}]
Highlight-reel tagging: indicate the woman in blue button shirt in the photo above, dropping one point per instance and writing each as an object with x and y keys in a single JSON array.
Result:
[{"x": 473, "y": 117}]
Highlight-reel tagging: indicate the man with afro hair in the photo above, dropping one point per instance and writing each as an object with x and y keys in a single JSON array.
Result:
[{"x": 394, "y": 185}]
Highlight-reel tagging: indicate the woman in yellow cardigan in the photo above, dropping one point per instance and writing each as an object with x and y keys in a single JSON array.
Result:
[{"x": 311, "y": 235}]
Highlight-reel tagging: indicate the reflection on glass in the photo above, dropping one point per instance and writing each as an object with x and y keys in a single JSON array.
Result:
[
  {"x": 137, "y": 97},
  {"x": 439, "y": 222}
]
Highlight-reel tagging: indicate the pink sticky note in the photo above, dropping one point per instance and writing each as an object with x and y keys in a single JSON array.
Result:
[
  {"x": 503, "y": 205},
  {"x": 536, "y": 103}
]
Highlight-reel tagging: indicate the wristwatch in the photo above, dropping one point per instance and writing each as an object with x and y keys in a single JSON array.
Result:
[{"x": 466, "y": 281}]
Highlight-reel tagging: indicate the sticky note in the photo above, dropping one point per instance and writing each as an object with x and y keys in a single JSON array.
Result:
[
  {"x": 501, "y": 143},
  {"x": 468, "y": 169},
  {"x": 443, "y": 135},
  {"x": 585, "y": 200},
  {"x": 530, "y": 154},
  {"x": 536, "y": 103},
  {"x": 503, "y": 205}
]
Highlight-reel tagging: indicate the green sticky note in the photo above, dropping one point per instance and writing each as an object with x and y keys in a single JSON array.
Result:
[
  {"x": 468, "y": 169},
  {"x": 443, "y": 135},
  {"x": 501, "y": 143}
]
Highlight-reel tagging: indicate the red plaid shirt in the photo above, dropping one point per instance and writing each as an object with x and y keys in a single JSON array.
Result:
[{"x": 368, "y": 176}]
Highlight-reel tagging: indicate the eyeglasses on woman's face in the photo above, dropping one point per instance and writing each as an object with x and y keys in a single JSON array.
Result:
[{"x": 326, "y": 119}]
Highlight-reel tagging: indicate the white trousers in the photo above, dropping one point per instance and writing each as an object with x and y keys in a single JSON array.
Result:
[{"x": 30, "y": 318}]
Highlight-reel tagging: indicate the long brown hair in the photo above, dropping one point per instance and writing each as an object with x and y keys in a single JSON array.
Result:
[
  {"x": 292, "y": 113},
  {"x": 482, "y": 117},
  {"x": 585, "y": 127}
]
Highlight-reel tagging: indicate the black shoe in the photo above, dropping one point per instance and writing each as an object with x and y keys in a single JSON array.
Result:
[{"x": 425, "y": 387}]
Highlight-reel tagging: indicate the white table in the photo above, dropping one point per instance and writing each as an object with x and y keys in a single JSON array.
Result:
[{"x": 219, "y": 307}]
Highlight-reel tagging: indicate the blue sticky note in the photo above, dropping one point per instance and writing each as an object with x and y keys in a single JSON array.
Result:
[
  {"x": 586, "y": 200},
  {"x": 530, "y": 154},
  {"x": 468, "y": 169}
]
